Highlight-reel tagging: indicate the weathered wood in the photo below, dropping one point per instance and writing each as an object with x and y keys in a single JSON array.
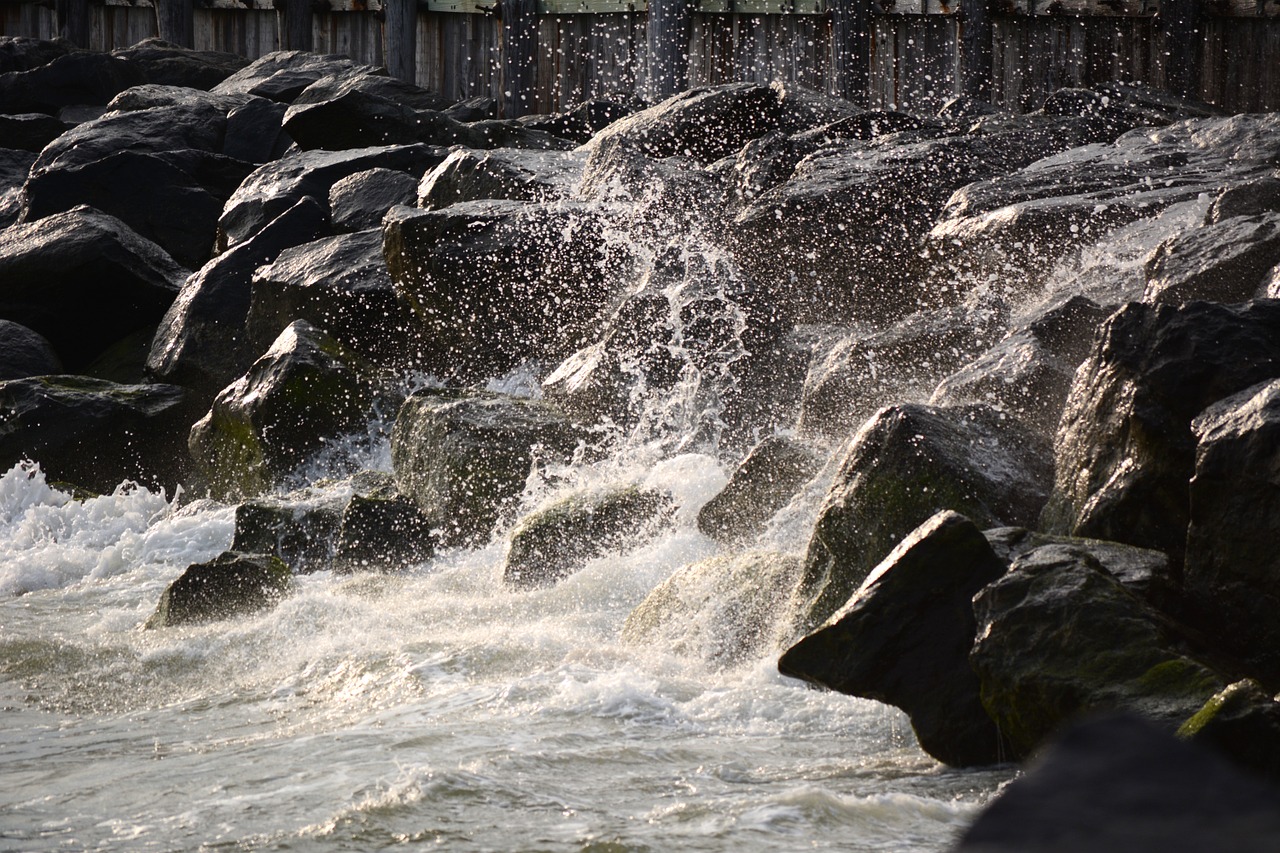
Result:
[
  {"x": 400, "y": 27},
  {"x": 667, "y": 33},
  {"x": 295, "y": 25},
  {"x": 1182, "y": 23},
  {"x": 915, "y": 64},
  {"x": 176, "y": 21},
  {"x": 976, "y": 33},
  {"x": 519, "y": 22},
  {"x": 73, "y": 21},
  {"x": 851, "y": 48}
]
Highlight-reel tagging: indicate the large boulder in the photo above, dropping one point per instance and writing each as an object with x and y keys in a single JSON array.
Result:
[
  {"x": 464, "y": 458},
  {"x": 725, "y": 610},
  {"x": 171, "y": 65},
  {"x": 84, "y": 280},
  {"x": 1232, "y": 572},
  {"x": 1059, "y": 636},
  {"x": 1118, "y": 785},
  {"x": 338, "y": 283},
  {"x": 1242, "y": 723},
  {"x": 81, "y": 77},
  {"x": 22, "y": 54},
  {"x": 29, "y": 131},
  {"x": 358, "y": 202},
  {"x": 495, "y": 283},
  {"x": 527, "y": 175},
  {"x": 25, "y": 353},
  {"x": 231, "y": 584},
  {"x": 381, "y": 529},
  {"x": 301, "y": 527},
  {"x": 283, "y": 75},
  {"x": 905, "y": 636},
  {"x": 274, "y": 187},
  {"x": 1224, "y": 261},
  {"x": 560, "y": 539},
  {"x": 94, "y": 433},
  {"x": 303, "y": 392},
  {"x": 764, "y": 482},
  {"x": 904, "y": 465},
  {"x": 202, "y": 341},
  {"x": 362, "y": 110},
  {"x": 1125, "y": 451},
  {"x": 14, "y": 165}
]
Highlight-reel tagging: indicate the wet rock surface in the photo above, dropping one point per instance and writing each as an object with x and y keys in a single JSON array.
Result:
[{"x": 232, "y": 584}]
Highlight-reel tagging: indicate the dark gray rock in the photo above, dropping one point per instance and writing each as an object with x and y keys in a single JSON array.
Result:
[
  {"x": 580, "y": 122},
  {"x": 255, "y": 131},
  {"x": 1060, "y": 637},
  {"x": 14, "y": 166},
  {"x": 83, "y": 280},
  {"x": 1225, "y": 261},
  {"x": 363, "y": 110},
  {"x": 527, "y": 175},
  {"x": 338, "y": 283},
  {"x": 905, "y": 636},
  {"x": 382, "y": 530},
  {"x": 903, "y": 466},
  {"x": 301, "y": 528},
  {"x": 763, "y": 483},
  {"x": 283, "y": 75},
  {"x": 303, "y": 392},
  {"x": 464, "y": 458},
  {"x": 479, "y": 108},
  {"x": 25, "y": 353},
  {"x": 359, "y": 201},
  {"x": 23, "y": 54},
  {"x": 93, "y": 433},
  {"x": 29, "y": 131},
  {"x": 1232, "y": 572},
  {"x": 1240, "y": 723},
  {"x": 274, "y": 187},
  {"x": 1117, "y": 785},
  {"x": 558, "y": 540},
  {"x": 494, "y": 283},
  {"x": 231, "y": 584},
  {"x": 171, "y": 65},
  {"x": 1125, "y": 451},
  {"x": 83, "y": 77},
  {"x": 202, "y": 341}
]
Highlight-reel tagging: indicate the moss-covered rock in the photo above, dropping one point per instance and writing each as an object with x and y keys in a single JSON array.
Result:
[
  {"x": 557, "y": 541},
  {"x": 464, "y": 457},
  {"x": 1241, "y": 722},
  {"x": 725, "y": 609},
  {"x": 303, "y": 392},
  {"x": 231, "y": 584}
]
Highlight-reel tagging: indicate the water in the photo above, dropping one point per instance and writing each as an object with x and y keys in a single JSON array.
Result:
[{"x": 430, "y": 707}]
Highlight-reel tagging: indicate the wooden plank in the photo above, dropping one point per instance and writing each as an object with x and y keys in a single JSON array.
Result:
[
  {"x": 669, "y": 24},
  {"x": 976, "y": 37},
  {"x": 1243, "y": 8},
  {"x": 176, "y": 20},
  {"x": 241, "y": 5},
  {"x": 590, "y": 7},
  {"x": 400, "y": 33},
  {"x": 762, "y": 7}
]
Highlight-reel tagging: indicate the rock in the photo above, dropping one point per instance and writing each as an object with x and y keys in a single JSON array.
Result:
[
  {"x": 149, "y": 96},
  {"x": 359, "y": 201},
  {"x": 1125, "y": 451},
  {"x": 14, "y": 166},
  {"x": 83, "y": 279},
  {"x": 94, "y": 433},
  {"x": 29, "y": 131},
  {"x": 464, "y": 458},
  {"x": 763, "y": 483},
  {"x": 274, "y": 187},
  {"x": 704, "y": 124},
  {"x": 202, "y": 341},
  {"x": 338, "y": 283},
  {"x": 494, "y": 283},
  {"x": 560, "y": 539},
  {"x": 363, "y": 110},
  {"x": 82, "y": 77},
  {"x": 479, "y": 108},
  {"x": 171, "y": 65},
  {"x": 1232, "y": 566},
  {"x": 521, "y": 174},
  {"x": 125, "y": 362},
  {"x": 1028, "y": 373},
  {"x": 1242, "y": 724},
  {"x": 865, "y": 370},
  {"x": 766, "y": 162},
  {"x": 724, "y": 610},
  {"x": 905, "y": 636},
  {"x": 301, "y": 528},
  {"x": 255, "y": 131},
  {"x": 494, "y": 133},
  {"x": 1226, "y": 261},
  {"x": 283, "y": 75},
  {"x": 302, "y": 392},
  {"x": 1116, "y": 785},
  {"x": 231, "y": 584},
  {"x": 23, "y": 54},
  {"x": 1059, "y": 637},
  {"x": 905, "y": 464},
  {"x": 578, "y": 123},
  {"x": 381, "y": 528},
  {"x": 25, "y": 353}
]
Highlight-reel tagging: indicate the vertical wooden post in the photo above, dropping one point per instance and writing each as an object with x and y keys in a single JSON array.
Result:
[
  {"x": 73, "y": 21},
  {"x": 667, "y": 32},
  {"x": 175, "y": 21},
  {"x": 518, "y": 20},
  {"x": 851, "y": 49},
  {"x": 1183, "y": 37},
  {"x": 400, "y": 28},
  {"x": 975, "y": 58},
  {"x": 295, "y": 28}
]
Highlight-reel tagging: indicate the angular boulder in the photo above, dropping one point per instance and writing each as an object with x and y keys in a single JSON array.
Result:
[
  {"x": 555, "y": 542},
  {"x": 283, "y": 75},
  {"x": 1242, "y": 724},
  {"x": 358, "y": 202},
  {"x": 1125, "y": 451},
  {"x": 25, "y": 353},
  {"x": 30, "y": 131},
  {"x": 381, "y": 529},
  {"x": 521, "y": 174},
  {"x": 905, "y": 636},
  {"x": 361, "y": 110},
  {"x": 464, "y": 458},
  {"x": 301, "y": 528},
  {"x": 903, "y": 466},
  {"x": 1224, "y": 261},
  {"x": 303, "y": 392},
  {"x": 767, "y": 478},
  {"x": 231, "y": 584},
  {"x": 80, "y": 77}
]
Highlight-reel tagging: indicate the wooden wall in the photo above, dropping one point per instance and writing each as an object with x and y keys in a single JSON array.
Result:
[{"x": 597, "y": 47}]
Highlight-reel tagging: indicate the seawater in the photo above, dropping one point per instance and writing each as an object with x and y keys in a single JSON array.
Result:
[{"x": 429, "y": 708}]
